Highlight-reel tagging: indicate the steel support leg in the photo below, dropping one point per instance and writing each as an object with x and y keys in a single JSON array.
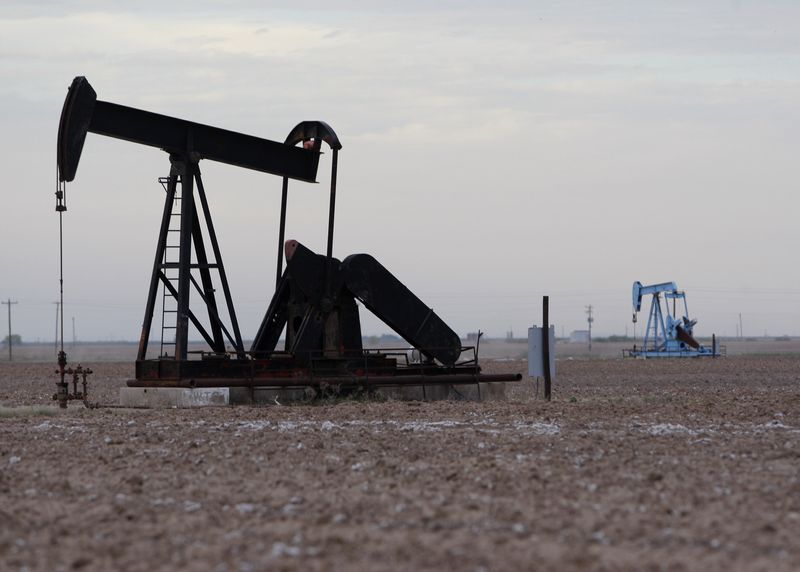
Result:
[
  {"x": 154, "y": 277},
  {"x": 185, "y": 259}
]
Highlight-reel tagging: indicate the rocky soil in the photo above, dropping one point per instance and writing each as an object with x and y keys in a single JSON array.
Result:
[{"x": 635, "y": 465}]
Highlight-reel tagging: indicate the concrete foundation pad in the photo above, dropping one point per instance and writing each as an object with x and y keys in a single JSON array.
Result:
[{"x": 165, "y": 397}]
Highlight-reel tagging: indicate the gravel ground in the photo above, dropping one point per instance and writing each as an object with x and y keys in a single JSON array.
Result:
[{"x": 635, "y": 465}]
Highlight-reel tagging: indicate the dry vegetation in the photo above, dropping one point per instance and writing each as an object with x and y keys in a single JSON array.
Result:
[{"x": 636, "y": 465}]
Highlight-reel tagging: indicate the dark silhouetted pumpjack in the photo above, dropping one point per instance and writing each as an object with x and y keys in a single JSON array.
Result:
[{"x": 315, "y": 299}]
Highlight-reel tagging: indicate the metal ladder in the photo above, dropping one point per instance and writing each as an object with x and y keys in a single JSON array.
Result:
[{"x": 169, "y": 305}]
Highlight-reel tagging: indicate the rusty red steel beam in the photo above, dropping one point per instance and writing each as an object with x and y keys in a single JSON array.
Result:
[{"x": 376, "y": 381}]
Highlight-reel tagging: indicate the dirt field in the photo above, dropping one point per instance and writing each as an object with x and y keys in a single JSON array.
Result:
[{"x": 636, "y": 465}]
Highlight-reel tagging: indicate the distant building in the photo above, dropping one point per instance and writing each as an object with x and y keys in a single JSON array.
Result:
[
  {"x": 472, "y": 336},
  {"x": 579, "y": 336}
]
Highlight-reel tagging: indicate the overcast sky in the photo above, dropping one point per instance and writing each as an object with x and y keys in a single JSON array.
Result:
[{"x": 493, "y": 152}]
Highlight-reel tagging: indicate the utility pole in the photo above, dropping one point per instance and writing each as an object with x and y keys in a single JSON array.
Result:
[
  {"x": 589, "y": 319},
  {"x": 10, "y": 343}
]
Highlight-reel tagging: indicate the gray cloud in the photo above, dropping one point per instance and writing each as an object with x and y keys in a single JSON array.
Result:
[{"x": 646, "y": 143}]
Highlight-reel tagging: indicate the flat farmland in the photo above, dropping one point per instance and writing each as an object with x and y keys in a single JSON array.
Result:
[{"x": 635, "y": 465}]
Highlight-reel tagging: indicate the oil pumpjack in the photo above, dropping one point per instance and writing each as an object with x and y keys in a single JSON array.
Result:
[
  {"x": 315, "y": 300},
  {"x": 667, "y": 334}
]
